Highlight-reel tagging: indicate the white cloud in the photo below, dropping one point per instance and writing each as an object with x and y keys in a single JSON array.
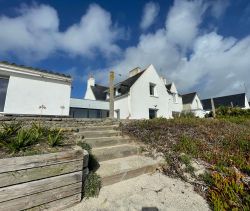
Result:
[
  {"x": 183, "y": 20},
  {"x": 94, "y": 31},
  {"x": 150, "y": 13},
  {"x": 214, "y": 64},
  {"x": 34, "y": 34},
  {"x": 31, "y": 34}
]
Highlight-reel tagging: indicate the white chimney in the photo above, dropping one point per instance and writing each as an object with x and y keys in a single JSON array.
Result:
[
  {"x": 89, "y": 95},
  {"x": 91, "y": 81},
  {"x": 134, "y": 71},
  {"x": 164, "y": 80}
]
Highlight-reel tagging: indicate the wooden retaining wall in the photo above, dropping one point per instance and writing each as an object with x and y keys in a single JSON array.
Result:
[{"x": 49, "y": 181}]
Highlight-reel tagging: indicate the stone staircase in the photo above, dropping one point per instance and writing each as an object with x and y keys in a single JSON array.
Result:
[{"x": 118, "y": 156}]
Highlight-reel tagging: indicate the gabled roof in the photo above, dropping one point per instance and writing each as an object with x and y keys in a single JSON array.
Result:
[
  {"x": 188, "y": 98},
  {"x": 131, "y": 80},
  {"x": 237, "y": 100},
  {"x": 123, "y": 86},
  {"x": 168, "y": 86},
  {"x": 99, "y": 92}
]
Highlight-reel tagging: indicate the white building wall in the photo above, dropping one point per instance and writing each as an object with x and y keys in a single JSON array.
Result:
[
  {"x": 177, "y": 105},
  {"x": 141, "y": 100},
  {"x": 26, "y": 93},
  {"x": 197, "y": 108},
  {"x": 89, "y": 95},
  {"x": 246, "y": 103},
  {"x": 28, "y": 89},
  {"x": 122, "y": 104}
]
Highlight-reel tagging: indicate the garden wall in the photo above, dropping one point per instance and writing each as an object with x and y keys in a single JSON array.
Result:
[{"x": 49, "y": 181}]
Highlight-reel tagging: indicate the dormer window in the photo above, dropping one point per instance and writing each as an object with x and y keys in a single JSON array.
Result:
[
  {"x": 152, "y": 90},
  {"x": 107, "y": 96},
  {"x": 117, "y": 92}
]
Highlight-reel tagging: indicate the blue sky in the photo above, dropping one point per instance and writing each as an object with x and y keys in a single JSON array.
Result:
[{"x": 201, "y": 45}]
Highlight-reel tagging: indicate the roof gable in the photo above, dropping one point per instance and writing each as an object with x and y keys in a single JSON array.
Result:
[
  {"x": 99, "y": 92},
  {"x": 188, "y": 98}
]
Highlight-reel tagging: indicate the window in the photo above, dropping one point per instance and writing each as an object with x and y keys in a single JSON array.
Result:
[
  {"x": 152, "y": 89},
  {"x": 152, "y": 113},
  {"x": 3, "y": 90}
]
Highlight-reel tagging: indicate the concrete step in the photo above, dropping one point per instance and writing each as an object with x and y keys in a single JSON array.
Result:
[
  {"x": 116, "y": 170},
  {"x": 98, "y": 134},
  {"x": 113, "y": 152},
  {"x": 91, "y": 128},
  {"x": 98, "y": 128},
  {"x": 107, "y": 141}
]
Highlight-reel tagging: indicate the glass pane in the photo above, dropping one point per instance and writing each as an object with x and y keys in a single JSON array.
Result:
[{"x": 3, "y": 90}]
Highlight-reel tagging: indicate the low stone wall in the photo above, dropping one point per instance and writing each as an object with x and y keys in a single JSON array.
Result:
[
  {"x": 49, "y": 181},
  {"x": 58, "y": 122}
]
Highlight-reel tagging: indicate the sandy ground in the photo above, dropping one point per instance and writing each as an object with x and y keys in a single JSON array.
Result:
[{"x": 154, "y": 191}]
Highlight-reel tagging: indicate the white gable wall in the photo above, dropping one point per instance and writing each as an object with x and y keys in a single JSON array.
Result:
[
  {"x": 177, "y": 105},
  {"x": 197, "y": 108},
  {"x": 246, "y": 103},
  {"x": 89, "y": 95},
  {"x": 141, "y": 100},
  {"x": 26, "y": 92}
]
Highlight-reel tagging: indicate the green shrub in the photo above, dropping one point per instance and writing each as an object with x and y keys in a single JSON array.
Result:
[
  {"x": 9, "y": 130},
  {"x": 92, "y": 185},
  {"x": 187, "y": 145},
  {"x": 55, "y": 137},
  {"x": 41, "y": 132},
  {"x": 224, "y": 111},
  {"x": 85, "y": 146},
  {"x": 187, "y": 115},
  {"x": 22, "y": 140},
  {"x": 228, "y": 192}
]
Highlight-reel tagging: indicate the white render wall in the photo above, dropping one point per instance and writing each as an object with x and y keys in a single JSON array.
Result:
[
  {"x": 123, "y": 104},
  {"x": 246, "y": 103},
  {"x": 26, "y": 92},
  {"x": 197, "y": 108},
  {"x": 141, "y": 100}
]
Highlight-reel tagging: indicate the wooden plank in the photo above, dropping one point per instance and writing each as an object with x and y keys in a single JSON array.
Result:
[
  {"x": 19, "y": 163},
  {"x": 29, "y": 188},
  {"x": 26, "y": 175},
  {"x": 60, "y": 204},
  {"x": 41, "y": 198}
]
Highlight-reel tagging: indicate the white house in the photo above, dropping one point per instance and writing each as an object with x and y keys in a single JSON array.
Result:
[
  {"x": 192, "y": 103},
  {"x": 30, "y": 91},
  {"x": 143, "y": 95}
]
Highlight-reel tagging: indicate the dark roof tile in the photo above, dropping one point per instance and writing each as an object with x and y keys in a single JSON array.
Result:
[
  {"x": 99, "y": 91},
  {"x": 237, "y": 100},
  {"x": 188, "y": 98},
  {"x": 168, "y": 86}
]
